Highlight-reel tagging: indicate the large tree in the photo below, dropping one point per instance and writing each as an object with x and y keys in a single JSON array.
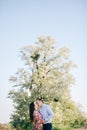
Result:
[{"x": 46, "y": 74}]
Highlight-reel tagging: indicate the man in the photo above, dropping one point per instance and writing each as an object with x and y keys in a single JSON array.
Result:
[{"x": 46, "y": 113}]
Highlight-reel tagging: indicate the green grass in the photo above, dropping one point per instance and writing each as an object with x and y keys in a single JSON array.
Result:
[
  {"x": 62, "y": 128},
  {"x": 57, "y": 126}
]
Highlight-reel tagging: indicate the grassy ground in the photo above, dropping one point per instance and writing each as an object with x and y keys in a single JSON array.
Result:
[
  {"x": 67, "y": 128},
  {"x": 83, "y": 128}
]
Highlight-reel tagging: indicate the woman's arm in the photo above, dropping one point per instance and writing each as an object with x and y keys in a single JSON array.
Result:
[{"x": 37, "y": 117}]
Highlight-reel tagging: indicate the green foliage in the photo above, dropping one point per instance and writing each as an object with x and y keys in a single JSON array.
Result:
[{"x": 46, "y": 74}]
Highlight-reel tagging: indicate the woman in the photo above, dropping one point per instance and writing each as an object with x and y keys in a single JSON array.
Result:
[{"x": 35, "y": 117}]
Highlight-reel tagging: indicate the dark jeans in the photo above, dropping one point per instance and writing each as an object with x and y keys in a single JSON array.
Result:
[{"x": 47, "y": 126}]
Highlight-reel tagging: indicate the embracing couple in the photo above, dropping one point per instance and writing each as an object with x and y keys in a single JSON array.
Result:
[{"x": 41, "y": 119}]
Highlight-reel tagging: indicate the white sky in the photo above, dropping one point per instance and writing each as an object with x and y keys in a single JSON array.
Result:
[{"x": 22, "y": 21}]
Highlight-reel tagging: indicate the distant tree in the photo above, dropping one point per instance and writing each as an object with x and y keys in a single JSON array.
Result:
[{"x": 46, "y": 74}]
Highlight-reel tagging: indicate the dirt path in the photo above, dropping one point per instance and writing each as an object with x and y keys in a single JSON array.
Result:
[{"x": 85, "y": 128}]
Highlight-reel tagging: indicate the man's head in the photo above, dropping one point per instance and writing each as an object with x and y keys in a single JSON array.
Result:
[{"x": 39, "y": 102}]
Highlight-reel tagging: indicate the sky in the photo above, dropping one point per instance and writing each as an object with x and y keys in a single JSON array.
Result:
[{"x": 23, "y": 21}]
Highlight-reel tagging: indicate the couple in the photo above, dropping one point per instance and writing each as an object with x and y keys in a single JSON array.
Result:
[{"x": 41, "y": 120}]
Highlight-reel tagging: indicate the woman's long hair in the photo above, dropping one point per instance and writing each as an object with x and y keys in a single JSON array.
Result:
[{"x": 31, "y": 110}]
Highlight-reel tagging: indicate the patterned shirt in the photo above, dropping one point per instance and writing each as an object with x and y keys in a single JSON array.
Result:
[{"x": 37, "y": 124}]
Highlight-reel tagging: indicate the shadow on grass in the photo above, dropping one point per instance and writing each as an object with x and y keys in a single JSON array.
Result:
[{"x": 55, "y": 128}]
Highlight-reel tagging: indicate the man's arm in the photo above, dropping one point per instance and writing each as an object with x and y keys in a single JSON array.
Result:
[{"x": 50, "y": 113}]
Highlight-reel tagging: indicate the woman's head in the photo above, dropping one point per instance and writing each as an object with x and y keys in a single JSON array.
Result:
[{"x": 33, "y": 106}]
